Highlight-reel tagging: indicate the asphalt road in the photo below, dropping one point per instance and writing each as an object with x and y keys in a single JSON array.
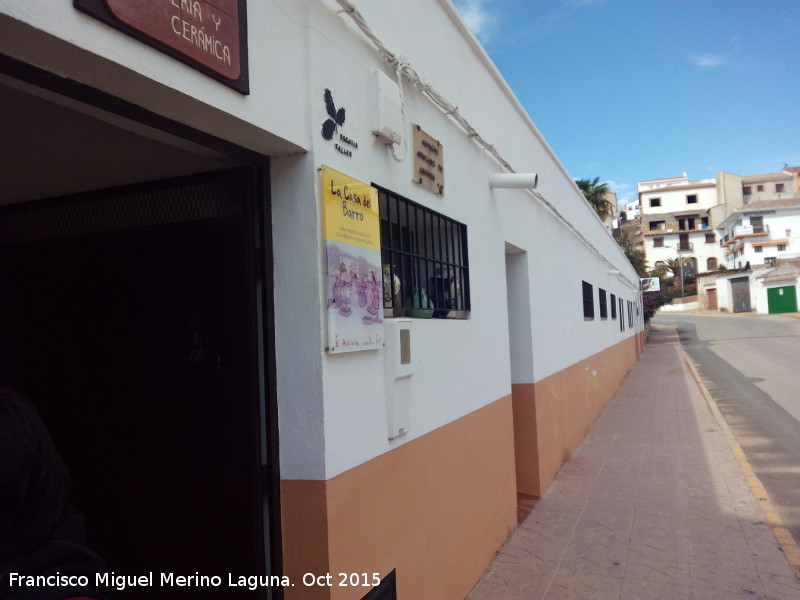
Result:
[{"x": 751, "y": 366}]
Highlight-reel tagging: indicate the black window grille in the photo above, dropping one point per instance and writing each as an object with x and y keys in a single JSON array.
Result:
[
  {"x": 613, "y": 306},
  {"x": 424, "y": 259},
  {"x": 588, "y": 301},
  {"x": 621, "y": 315}
]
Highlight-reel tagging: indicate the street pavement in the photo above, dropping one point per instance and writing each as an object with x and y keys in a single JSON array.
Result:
[
  {"x": 653, "y": 505},
  {"x": 749, "y": 364}
]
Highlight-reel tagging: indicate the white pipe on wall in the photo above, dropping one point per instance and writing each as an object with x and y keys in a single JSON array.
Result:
[{"x": 514, "y": 180}]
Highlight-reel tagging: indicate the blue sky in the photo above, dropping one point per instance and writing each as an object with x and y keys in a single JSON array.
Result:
[{"x": 629, "y": 90}]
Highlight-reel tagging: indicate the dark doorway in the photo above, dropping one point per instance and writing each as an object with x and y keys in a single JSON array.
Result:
[
  {"x": 711, "y": 294},
  {"x": 134, "y": 331},
  {"x": 740, "y": 288}
]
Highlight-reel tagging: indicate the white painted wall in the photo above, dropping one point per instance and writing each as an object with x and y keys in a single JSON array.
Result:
[
  {"x": 725, "y": 293},
  {"x": 298, "y": 321},
  {"x": 633, "y": 210},
  {"x": 701, "y": 250},
  {"x": 332, "y": 412},
  {"x": 673, "y": 198},
  {"x": 760, "y": 300},
  {"x": 518, "y": 289},
  {"x": 459, "y": 366}
]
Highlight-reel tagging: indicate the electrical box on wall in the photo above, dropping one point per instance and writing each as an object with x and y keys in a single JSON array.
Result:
[
  {"x": 399, "y": 368},
  {"x": 389, "y": 115}
]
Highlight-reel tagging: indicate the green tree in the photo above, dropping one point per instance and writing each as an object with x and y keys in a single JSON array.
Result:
[
  {"x": 673, "y": 265},
  {"x": 595, "y": 194},
  {"x": 634, "y": 256},
  {"x": 652, "y": 301}
]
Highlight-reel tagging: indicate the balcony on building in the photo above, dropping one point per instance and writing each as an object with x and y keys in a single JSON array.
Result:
[{"x": 744, "y": 231}]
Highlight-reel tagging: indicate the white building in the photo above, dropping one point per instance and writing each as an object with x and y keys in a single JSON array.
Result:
[
  {"x": 176, "y": 184},
  {"x": 776, "y": 289},
  {"x": 757, "y": 220},
  {"x": 632, "y": 210},
  {"x": 761, "y": 233},
  {"x": 761, "y": 289},
  {"x": 611, "y": 222},
  {"x": 675, "y": 222}
]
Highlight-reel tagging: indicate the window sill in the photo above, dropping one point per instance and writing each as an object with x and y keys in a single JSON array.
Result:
[{"x": 425, "y": 314}]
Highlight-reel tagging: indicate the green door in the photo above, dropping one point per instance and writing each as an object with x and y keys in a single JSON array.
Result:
[{"x": 782, "y": 299}]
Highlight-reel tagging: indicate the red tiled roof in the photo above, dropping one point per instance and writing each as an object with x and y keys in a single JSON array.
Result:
[
  {"x": 765, "y": 204},
  {"x": 765, "y": 176}
]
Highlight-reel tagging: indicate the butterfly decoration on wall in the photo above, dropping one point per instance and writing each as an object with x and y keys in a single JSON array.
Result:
[{"x": 335, "y": 117}]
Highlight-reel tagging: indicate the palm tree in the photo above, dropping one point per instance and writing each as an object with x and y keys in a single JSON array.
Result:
[
  {"x": 673, "y": 265},
  {"x": 595, "y": 193},
  {"x": 677, "y": 267}
]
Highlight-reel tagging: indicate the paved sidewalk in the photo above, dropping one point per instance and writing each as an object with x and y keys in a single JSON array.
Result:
[{"x": 653, "y": 505}]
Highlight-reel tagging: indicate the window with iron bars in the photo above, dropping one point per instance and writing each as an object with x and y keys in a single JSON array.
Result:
[{"x": 424, "y": 260}]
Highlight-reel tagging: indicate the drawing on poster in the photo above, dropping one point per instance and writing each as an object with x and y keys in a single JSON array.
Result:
[{"x": 354, "y": 282}]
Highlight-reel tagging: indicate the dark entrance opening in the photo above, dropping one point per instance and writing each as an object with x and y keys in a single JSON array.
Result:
[
  {"x": 130, "y": 318},
  {"x": 740, "y": 288}
]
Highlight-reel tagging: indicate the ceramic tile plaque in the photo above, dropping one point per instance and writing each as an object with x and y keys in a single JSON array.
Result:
[{"x": 428, "y": 161}]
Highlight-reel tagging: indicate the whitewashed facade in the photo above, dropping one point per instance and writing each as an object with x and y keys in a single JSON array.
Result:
[
  {"x": 761, "y": 233},
  {"x": 492, "y": 397},
  {"x": 676, "y": 222}
]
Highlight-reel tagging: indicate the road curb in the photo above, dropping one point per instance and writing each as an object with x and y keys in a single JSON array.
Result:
[{"x": 782, "y": 535}]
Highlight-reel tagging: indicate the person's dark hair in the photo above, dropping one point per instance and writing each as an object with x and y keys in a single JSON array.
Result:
[{"x": 34, "y": 482}]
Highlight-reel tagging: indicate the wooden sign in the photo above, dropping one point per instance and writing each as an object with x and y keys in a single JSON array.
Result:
[
  {"x": 209, "y": 35},
  {"x": 428, "y": 161}
]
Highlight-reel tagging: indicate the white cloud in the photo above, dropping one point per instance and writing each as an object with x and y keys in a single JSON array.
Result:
[
  {"x": 476, "y": 17},
  {"x": 709, "y": 60},
  {"x": 618, "y": 187},
  {"x": 625, "y": 192}
]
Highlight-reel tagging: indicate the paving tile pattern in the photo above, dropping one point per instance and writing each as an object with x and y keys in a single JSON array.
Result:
[{"x": 652, "y": 506}]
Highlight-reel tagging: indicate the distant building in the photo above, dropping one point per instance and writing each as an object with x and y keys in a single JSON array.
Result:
[
  {"x": 632, "y": 210},
  {"x": 611, "y": 222},
  {"x": 776, "y": 289},
  {"x": 735, "y": 191},
  {"x": 675, "y": 222},
  {"x": 755, "y": 220},
  {"x": 761, "y": 233}
]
